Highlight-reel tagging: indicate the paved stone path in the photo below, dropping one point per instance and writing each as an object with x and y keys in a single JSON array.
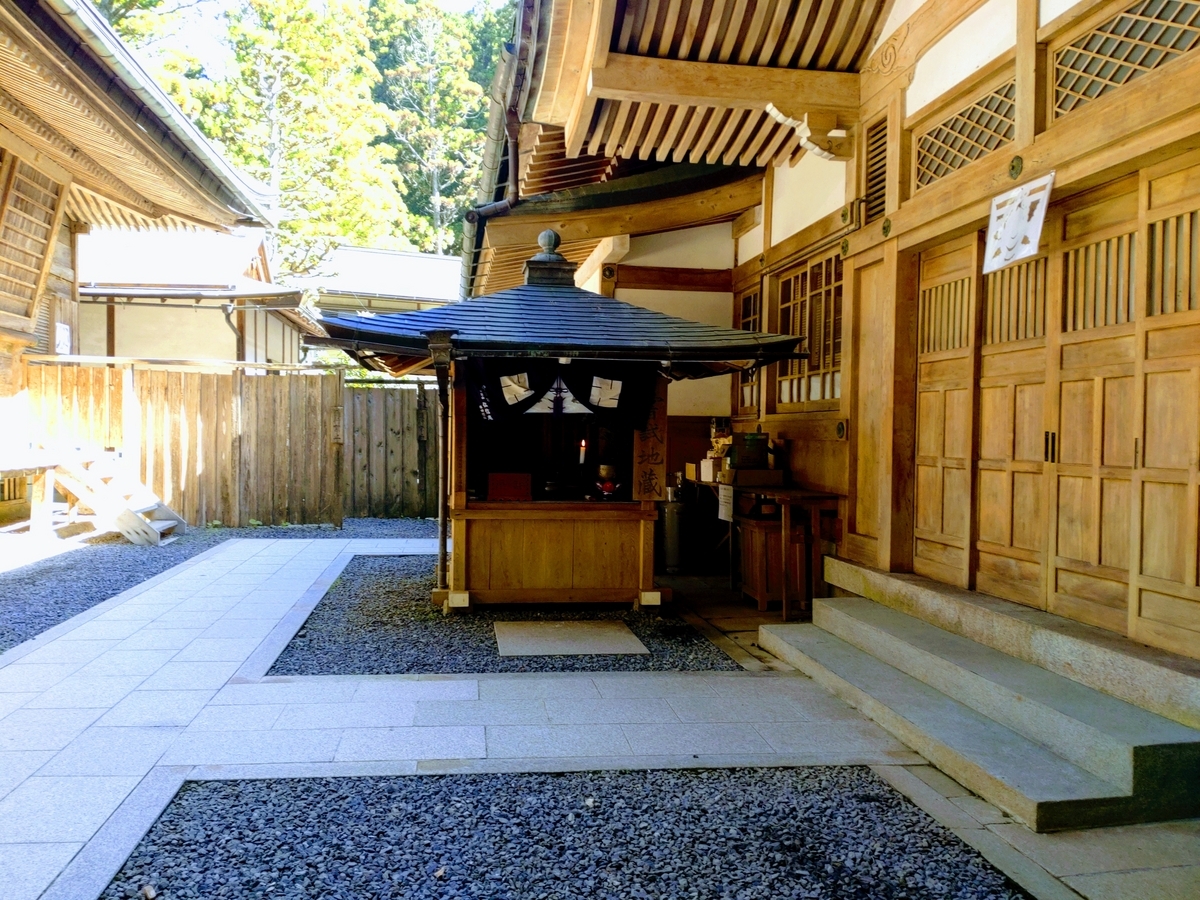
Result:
[{"x": 103, "y": 717}]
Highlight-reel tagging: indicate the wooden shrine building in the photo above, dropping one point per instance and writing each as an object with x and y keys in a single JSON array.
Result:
[
  {"x": 826, "y": 170},
  {"x": 557, "y": 427}
]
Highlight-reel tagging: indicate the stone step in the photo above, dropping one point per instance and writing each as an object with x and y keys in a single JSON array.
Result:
[
  {"x": 1162, "y": 682},
  {"x": 1123, "y": 744},
  {"x": 1020, "y": 776}
]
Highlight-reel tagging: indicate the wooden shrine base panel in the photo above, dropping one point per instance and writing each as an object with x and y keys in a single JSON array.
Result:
[{"x": 566, "y": 638}]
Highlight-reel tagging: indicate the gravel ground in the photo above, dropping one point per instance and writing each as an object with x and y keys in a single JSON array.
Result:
[
  {"x": 749, "y": 834},
  {"x": 377, "y": 620},
  {"x": 39, "y": 596}
]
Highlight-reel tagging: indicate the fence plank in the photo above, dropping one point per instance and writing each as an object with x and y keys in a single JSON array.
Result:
[
  {"x": 429, "y": 471},
  {"x": 393, "y": 453},
  {"x": 333, "y": 476}
]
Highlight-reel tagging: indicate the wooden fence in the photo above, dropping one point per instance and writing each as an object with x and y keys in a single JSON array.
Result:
[
  {"x": 391, "y": 451},
  {"x": 239, "y": 448},
  {"x": 234, "y": 448}
]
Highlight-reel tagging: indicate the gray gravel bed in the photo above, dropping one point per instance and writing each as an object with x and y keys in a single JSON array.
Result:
[
  {"x": 376, "y": 619},
  {"x": 749, "y": 834},
  {"x": 39, "y": 596}
]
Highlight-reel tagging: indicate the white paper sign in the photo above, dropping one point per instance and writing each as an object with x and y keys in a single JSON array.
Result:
[
  {"x": 725, "y": 502},
  {"x": 1015, "y": 226}
]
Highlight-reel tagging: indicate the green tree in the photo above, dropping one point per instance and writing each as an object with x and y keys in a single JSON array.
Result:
[
  {"x": 296, "y": 112},
  {"x": 426, "y": 57},
  {"x": 140, "y": 21}
]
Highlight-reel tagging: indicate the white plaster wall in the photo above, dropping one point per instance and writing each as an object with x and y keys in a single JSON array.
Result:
[
  {"x": 593, "y": 283},
  {"x": 276, "y": 349},
  {"x": 970, "y": 45},
  {"x": 750, "y": 244},
  {"x": 706, "y": 396},
  {"x": 172, "y": 333},
  {"x": 706, "y": 247},
  {"x": 804, "y": 193},
  {"x": 901, "y": 11},
  {"x": 93, "y": 329},
  {"x": 1052, "y": 9}
]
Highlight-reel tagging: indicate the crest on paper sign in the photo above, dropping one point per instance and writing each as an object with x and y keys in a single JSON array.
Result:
[
  {"x": 606, "y": 393},
  {"x": 515, "y": 387},
  {"x": 1015, "y": 226}
]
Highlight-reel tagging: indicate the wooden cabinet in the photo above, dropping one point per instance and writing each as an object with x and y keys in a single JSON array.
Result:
[{"x": 761, "y": 559}]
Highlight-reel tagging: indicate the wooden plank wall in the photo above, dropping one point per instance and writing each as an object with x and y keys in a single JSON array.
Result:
[
  {"x": 391, "y": 453},
  {"x": 230, "y": 448}
]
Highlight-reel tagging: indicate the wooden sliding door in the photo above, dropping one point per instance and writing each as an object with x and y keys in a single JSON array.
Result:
[
  {"x": 1010, "y": 519},
  {"x": 1164, "y": 595},
  {"x": 1089, "y": 440},
  {"x": 947, "y": 371}
]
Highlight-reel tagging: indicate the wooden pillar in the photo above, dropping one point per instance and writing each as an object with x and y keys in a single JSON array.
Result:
[
  {"x": 1031, "y": 75},
  {"x": 41, "y": 504},
  {"x": 898, "y": 431}
]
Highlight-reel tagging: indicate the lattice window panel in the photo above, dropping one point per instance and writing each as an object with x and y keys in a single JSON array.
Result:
[
  {"x": 945, "y": 316},
  {"x": 1099, "y": 283},
  {"x": 27, "y": 218},
  {"x": 970, "y": 134},
  {"x": 1174, "y": 255},
  {"x": 1130, "y": 44},
  {"x": 810, "y": 305},
  {"x": 1015, "y": 303},
  {"x": 876, "y": 170},
  {"x": 749, "y": 319}
]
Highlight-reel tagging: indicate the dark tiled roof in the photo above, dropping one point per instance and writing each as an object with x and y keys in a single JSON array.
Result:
[{"x": 558, "y": 320}]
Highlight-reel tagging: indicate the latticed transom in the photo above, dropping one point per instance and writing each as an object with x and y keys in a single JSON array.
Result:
[
  {"x": 1130, "y": 44},
  {"x": 876, "y": 170},
  {"x": 945, "y": 316},
  {"x": 968, "y": 135},
  {"x": 810, "y": 305},
  {"x": 1099, "y": 283},
  {"x": 1015, "y": 303},
  {"x": 749, "y": 319},
  {"x": 1174, "y": 257}
]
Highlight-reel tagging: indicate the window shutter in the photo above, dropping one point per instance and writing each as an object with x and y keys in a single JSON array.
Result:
[{"x": 876, "y": 172}]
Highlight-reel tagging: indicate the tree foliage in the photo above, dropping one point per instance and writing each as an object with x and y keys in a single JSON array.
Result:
[
  {"x": 296, "y": 112},
  {"x": 365, "y": 119},
  {"x": 424, "y": 58},
  {"x": 433, "y": 65},
  {"x": 141, "y": 21}
]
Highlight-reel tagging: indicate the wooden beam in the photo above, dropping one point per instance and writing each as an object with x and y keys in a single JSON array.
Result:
[
  {"x": 684, "y": 83},
  {"x": 664, "y": 278},
  {"x": 702, "y": 207},
  {"x": 747, "y": 221},
  {"x": 583, "y": 106},
  {"x": 610, "y": 250}
]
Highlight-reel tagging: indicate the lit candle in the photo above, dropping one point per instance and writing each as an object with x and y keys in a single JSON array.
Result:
[{"x": 582, "y": 452}]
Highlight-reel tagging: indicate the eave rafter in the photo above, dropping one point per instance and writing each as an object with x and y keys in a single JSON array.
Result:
[
  {"x": 751, "y": 82},
  {"x": 43, "y": 80}
]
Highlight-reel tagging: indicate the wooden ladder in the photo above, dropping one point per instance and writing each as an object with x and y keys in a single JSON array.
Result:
[{"x": 121, "y": 502}]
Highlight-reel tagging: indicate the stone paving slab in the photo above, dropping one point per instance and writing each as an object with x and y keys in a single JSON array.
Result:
[
  {"x": 104, "y": 716},
  {"x": 565, "y": 638}
]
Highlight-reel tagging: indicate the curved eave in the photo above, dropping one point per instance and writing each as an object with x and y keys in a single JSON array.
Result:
[{"x": 80, "y": 32}]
